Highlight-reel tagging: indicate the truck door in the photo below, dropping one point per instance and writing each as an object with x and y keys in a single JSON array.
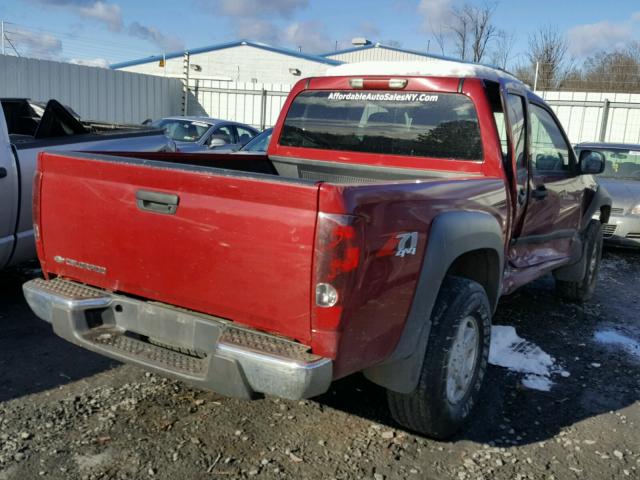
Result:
[
  {"x": 9, "y": 194},
  {"x": 552, "y": 215}
]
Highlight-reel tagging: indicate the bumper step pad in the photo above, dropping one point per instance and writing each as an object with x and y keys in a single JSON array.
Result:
[
  {"x": 70, "y": 290},
  {"x": 131, "y": 347},
  {"x": 267, "y": 344}
]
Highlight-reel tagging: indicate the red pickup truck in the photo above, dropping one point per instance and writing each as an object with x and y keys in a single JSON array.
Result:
[{"x": 396, "y": 204}]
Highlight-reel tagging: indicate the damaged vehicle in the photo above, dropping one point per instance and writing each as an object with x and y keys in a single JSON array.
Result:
[{"x": 396, "y": 204}]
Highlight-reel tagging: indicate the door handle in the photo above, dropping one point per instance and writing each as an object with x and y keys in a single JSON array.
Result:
[
  {"x": 157, "y": 202},
  {"x": 3, "y": 172},
  {"x": 540, "y": 192}
]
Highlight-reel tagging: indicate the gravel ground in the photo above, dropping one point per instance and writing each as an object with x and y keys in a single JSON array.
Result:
[{"x": 68, "y": 414}]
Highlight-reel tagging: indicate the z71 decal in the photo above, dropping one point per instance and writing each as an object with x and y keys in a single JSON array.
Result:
[
  {"x": 400, "y": 245},
  {"x": 407, "y": 244}
]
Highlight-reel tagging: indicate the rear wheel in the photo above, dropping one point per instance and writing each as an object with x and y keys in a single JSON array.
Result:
[
  {"x": 454, "y": 364},
  {"x": 582, "y": 290}
]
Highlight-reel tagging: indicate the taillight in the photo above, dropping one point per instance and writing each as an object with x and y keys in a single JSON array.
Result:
[
  {"x": 378, "y": 83},
  {"x": 337, "y": 257}
]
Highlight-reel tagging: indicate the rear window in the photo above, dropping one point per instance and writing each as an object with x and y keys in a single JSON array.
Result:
[{"x": 415, "y": 124}]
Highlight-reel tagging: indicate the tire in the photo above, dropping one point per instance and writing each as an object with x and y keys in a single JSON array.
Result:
[
  {"x": 582, "y": 290},
  {"x": 439, "y": 406}
]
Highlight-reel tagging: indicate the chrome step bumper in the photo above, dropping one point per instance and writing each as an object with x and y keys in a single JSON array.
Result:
[{"x": 205, "y": 351}]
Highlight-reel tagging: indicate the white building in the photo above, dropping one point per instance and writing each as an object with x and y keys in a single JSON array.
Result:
[
  {"x": 252, "y": 62},
  {"x": 247, "y": 81},
  {"x": 369, "y": 52},
  {"x": 241, "y": 61}
]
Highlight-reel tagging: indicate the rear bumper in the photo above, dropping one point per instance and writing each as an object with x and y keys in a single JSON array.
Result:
[{"x": 207, "y": 352}]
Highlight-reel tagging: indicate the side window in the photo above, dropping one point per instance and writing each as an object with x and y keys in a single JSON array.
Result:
[
  {"x": 502, "y": 132},
  {"x": 515, "y": 113},
  {"x": 225, "y": 133},
  {"x": 549, "y": 150},
  {"x": 244, "y": 135}
]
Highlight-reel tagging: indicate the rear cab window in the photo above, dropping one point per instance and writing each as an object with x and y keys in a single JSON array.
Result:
[{"x": 414, "y": 124}]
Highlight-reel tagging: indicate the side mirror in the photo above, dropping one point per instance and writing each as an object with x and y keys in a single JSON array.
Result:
[
  {"x": 591, "y": 162},
  {"x": 217, "y": 142}
]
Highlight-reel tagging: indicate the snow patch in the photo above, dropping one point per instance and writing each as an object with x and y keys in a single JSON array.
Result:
[
  {"x": 612, "y": 337},
  {"x": 537, "y": 382},
  {"x": 510, "y": 351}
]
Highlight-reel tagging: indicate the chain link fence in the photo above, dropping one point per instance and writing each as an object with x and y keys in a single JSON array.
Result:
[{"x": 614, "y": 77}]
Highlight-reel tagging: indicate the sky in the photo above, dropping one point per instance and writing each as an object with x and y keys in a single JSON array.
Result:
[{"x": 108, "y": 31}]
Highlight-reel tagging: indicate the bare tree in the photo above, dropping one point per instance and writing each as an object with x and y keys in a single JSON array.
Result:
[
  {"x": 473, "y": 30},
  {"x": 633, "y": 50},
  {"x": 616, "y": 71},
  {"x": 459, "y": 27},
  {"x": 525, "y": 73},
  {"x": 503, "y": 47},
  {"x": 483, "y": 31},
  {"x": 440, "y": 36},
  {"x": 548, "y": 51}
]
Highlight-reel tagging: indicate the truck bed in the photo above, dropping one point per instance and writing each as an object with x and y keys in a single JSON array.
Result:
[{"x": 25, "y": 142}]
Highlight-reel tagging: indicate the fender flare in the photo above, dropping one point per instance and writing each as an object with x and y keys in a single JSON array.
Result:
[{"x": 452, "y": 234}]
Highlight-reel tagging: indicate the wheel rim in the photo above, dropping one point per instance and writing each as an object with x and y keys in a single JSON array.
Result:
[{"x": 463, "y": 357}]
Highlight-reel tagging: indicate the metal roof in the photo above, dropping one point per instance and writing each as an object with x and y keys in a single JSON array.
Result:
[
  {"x": 222, "y": 46},
  {"x": 432, "y": 56},
  {"x": 386, "y": 47}
]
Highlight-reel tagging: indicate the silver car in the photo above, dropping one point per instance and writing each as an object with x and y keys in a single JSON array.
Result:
[
  {"x": 621, "y": 178},
  {"x": 259, "y": 144},
  {"x": 202, "y": 134}
]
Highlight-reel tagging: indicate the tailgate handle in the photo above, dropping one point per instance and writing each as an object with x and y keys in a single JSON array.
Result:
[
  {"x": 157, "y": 202},
  {"x": 3, "y": 172}
]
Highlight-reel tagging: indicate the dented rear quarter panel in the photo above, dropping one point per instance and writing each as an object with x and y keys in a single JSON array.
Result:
[{"x": 385, "y": 284}]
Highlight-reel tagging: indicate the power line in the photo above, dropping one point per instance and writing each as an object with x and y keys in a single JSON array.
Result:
[
  {"x": 11, "y": 43},
  {"x": 63, "y": 45},
  {"x": 70, "y": 36}
]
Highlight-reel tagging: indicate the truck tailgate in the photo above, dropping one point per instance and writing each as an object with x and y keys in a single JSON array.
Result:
[{"x": 238, "y": 246}]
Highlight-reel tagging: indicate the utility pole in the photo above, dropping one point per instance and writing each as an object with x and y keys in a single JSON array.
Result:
[
  {"x": 2, "y": 33},
  {"x": 186, "y": 65}
]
